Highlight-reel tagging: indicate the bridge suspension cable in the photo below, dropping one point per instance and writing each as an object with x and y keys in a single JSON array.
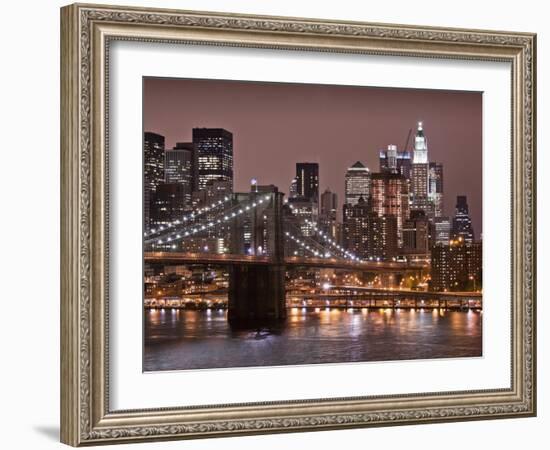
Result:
[
  {"x": 187, "y": 218},
  {"x": 326, "y": 237},
  {"x": 178, "y": 234}
]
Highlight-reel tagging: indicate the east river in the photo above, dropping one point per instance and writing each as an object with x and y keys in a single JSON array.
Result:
[{"x": 189, "y": 339}]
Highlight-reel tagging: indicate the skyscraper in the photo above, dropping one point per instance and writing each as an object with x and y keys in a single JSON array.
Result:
[
  {"x": 435, "y": 191},
  {"x": 390, "y": 197},
  {"x": 178, "y": 168},
  {"x": 441, "y": 231},
  {"x": 416, "y": 233},
  {"x": 358, "y": 183},
  {"x": 306, "y": 213},
  {"x": 328, "y": 213},
  {"x": 420, "y": 155},
  {"x": 307, "y": 181},
  {"x": 213, "y": 156},
  {"x": 368, "y": 235},
  {"x": 462, "y": 223},
  {"x": 329, "y": 204},
  {"x": 358, "y": 220},
  {"x": 167, "y": 204},
  {"x": 293, "y": 188},
  {"x": 456, "y": 266},
  {"x": 420, "y": 171},
  {"x": 402, "y": 164},
  {"x": 153, "y": 170}
]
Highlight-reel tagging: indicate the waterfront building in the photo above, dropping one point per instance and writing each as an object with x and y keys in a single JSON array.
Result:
[
  {"x": 456, "y": 266},
  {"x": 213, "y": 148},
  {"x": 357, "y": 183}
]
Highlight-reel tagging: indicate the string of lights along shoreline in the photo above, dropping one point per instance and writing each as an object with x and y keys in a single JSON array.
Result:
[{"x": 395, "y": 214}]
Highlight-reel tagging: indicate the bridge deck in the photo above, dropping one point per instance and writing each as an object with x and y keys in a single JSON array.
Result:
[{"x": 296, "y": 261}]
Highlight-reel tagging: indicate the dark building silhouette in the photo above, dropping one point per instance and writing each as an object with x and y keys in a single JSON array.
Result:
[
  {"x": 416, "y": 232},
  {"x": 213, "y": 158},
  {"x": 307, "y": 181},
  {"x": 462, "y": 223},
  {"x": 328, "y": 213}
]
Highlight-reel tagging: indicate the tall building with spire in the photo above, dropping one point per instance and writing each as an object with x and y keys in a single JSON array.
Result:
[
  {"x": 420, "y": 171},
  {"x": 358, "y": 183}
]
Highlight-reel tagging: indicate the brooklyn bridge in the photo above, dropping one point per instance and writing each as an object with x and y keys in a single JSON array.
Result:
[{"x": 259, "y": 256}]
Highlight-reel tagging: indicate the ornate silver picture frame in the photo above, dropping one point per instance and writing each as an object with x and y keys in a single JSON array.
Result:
[{"x": 87, "y": 32}]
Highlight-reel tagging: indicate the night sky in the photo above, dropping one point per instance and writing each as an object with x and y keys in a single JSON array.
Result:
[{"x": 275, "y": 125}]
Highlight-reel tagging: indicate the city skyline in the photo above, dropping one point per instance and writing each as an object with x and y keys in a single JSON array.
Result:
[
  {"x": 171, "y": 123},
  {"x": 243, "y": 242}
]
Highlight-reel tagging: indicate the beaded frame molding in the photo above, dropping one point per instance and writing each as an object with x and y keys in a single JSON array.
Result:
[{"x": 86, "y": 33}]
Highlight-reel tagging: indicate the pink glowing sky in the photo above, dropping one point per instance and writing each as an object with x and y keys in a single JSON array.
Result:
[{"x": 275, "y": 125}]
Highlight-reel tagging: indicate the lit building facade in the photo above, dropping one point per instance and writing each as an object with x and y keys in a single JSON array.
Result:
[
  {"x": 293, "y": 188},
  {"x": 357, "y": 183},
  {"x": 390, "y": 197},
  {"x": 395, "y": 161},
  {"x": 213, "y": 149},
  {"x": 306, "y": 213},
  {"x": 368, "y": 235},
  {"x": 456, "y": 266},
  {"x": 215, "y": 240},
  {"x": 420, "y": 171},
  {"x": 153, "y": 170},
  {"x": 178, "y": 168},
  {"x": 435, "y": 191},
  {"x": 441, "y": 231}
]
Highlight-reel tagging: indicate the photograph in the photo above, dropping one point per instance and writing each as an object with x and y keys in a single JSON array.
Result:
[{"x": 296, "y": 224}]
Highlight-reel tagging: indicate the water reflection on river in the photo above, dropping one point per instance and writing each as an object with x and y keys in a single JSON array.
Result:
[{"x": 185, "y": 339}]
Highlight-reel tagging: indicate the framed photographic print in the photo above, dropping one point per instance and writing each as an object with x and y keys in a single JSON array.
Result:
[{"x": 276, "y": 225}]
